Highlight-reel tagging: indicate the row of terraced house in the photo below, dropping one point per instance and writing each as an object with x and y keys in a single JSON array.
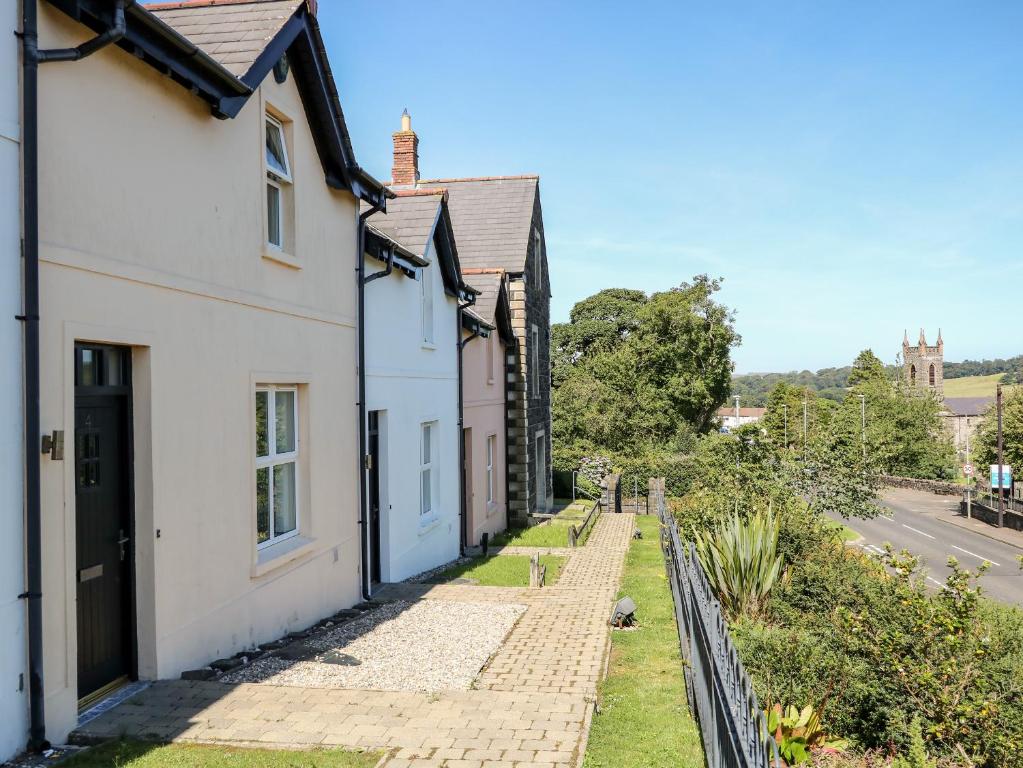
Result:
[{"x": 252, "y": 381}]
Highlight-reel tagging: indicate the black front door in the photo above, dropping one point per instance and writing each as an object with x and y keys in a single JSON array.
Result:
[
  {"x": 374, "y": 494},
  {"x": 104, "y": 520}
]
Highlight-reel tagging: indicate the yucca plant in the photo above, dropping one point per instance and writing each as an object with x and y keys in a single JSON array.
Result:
[{"x": 741, "y": 560}]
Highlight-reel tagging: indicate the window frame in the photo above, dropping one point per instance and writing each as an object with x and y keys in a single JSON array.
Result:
[
  {"x": 489, "y": 351},
  {"x": 491, "y": 453},
  {"x": 273, "y": 459},
  {"x": 534, "y": 377},
  {"x": 540, "y": 479},
  {"x": 271, "y": 183},
  {"x": 537, "y": 259},
  {"x": 428, "y": 515},
  {"x": 279, "y": 126},
  {"x": 277, "y": 180},
  {"x": 426, "y": 306}
]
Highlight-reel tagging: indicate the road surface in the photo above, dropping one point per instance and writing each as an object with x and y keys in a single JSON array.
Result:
[{"x": 913, "y": 521}]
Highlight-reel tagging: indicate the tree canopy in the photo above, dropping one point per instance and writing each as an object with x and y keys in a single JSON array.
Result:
[
  {"x": 636, "y": 373},
  {"x": 1012, "y": 434}
]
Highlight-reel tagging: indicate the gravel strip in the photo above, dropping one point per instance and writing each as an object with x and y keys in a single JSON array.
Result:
[{"x": 427, "y": 645}]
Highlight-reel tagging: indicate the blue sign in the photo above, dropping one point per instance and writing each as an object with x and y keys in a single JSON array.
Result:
[{"x": 1006, "y": 476}]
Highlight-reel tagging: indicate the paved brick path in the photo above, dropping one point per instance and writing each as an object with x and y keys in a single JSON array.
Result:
[{"x": 531, "y": 706}]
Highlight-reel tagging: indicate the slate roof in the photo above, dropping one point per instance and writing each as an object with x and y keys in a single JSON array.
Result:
[
  {"x": 492, "y": 218},
  {"x": 410, "y": 220},
  {"x": 967, "y": 406},
  {"x": 486, "y": 324},
  {"x": 489, "y": 286},
  {"x": 231, "y": 33}
]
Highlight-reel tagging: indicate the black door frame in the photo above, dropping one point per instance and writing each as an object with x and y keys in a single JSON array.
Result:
[
  {"x": 373, "y": 476},
  {"x": 84, "y": 393}
]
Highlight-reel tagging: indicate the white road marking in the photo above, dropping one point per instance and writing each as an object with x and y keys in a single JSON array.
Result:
[
  {"x": 935, "y": 581},
  {"x": 886, "y": 518},
  {"x": 917, "y": 530},
  {"x": 874, "y": 549},
  {"x": 979, "y": 557}
]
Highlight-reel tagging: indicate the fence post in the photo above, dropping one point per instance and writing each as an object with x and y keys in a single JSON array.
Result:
[{"x": 612, "y": 495}]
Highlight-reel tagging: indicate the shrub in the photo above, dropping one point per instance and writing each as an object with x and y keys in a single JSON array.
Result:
[{"x": 742, "y": 563}]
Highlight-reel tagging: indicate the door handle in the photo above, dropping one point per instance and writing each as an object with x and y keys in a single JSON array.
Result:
[{"x": 121, "y": 542}]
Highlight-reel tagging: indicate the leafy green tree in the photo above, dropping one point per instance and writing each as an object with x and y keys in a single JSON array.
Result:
[
  {"x": 866, "y": 368},
  {"x": 1012, "y": 433},
  {"x": 637, "y": 376},
  {"x": 598, "y": 324},
  {"x": 905, "y": 434},
  {"x": 783, "y": 419}
]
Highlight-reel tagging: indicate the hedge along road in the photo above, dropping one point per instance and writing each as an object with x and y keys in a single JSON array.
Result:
[{"x": 916, "y": 521}]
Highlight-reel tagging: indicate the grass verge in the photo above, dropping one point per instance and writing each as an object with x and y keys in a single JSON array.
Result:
[
  {"x": 501, "y": 570},
  {"x": 140, "y": 754},
  {"x": 644, "y": 719},
  {"x": 550, "y": 534},
  {"x": 845, "y": 533}
]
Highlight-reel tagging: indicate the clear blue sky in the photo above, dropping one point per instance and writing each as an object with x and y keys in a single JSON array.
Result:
[{"x": 850, "y": 169}]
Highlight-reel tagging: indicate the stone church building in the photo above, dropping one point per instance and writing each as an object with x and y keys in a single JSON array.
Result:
[
  {"x": 923, "y": 365},
  {"x": 923, "y": 369}
]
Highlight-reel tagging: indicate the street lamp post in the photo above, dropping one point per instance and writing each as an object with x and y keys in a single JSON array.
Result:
[
  {"x": 804, "y": 429},
  {"x": 968, "y": 479},
  {"x": 1001, "y": 496},
  {"x": 737, "y": 411}
]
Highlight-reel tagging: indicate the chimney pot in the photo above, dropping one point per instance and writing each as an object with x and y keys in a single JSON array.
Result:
[{"x": 405, "y": 168}]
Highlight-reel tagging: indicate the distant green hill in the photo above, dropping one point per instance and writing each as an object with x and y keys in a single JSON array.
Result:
[
  {"x": 977, "y": 377},
  {"x": 975, "y": 386}
]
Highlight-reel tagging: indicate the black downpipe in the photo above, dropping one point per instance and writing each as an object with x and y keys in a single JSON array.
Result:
[
  {"x": 363, "y": 469},
  {"x": 30, "y": 59},
  {"x": 463, "y": 539}
]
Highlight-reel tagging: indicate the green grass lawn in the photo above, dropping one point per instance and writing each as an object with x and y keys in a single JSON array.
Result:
[
  {"x": 845, "y": 532},
  {"x": 644, "y": 720},
  {"x": 501, "y": 570},
  {"x": 975, "y": 386},
  {"x": 138, "y": 754},
  {"x": 550, "y": 534}
]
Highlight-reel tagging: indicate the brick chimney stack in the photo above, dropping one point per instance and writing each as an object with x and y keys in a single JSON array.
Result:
[{"x": 405, "y": 171}]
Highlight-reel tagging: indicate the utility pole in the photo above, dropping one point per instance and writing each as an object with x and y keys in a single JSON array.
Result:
[
  {"x": 969, "y": 508},
  {"x": 737, "y": 411},
  {"x": 863, "y": 425},
  {"x": 1001, "y": 496},
  {"x": 785, "y": 411}
]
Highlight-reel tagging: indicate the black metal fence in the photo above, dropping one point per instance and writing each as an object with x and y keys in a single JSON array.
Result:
[{"x": 720, "y": 693}]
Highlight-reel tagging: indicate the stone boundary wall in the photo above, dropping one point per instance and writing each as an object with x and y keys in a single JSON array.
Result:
[
  {"x": 940, "y": 487},
  {"x": 981, "y": 511}
]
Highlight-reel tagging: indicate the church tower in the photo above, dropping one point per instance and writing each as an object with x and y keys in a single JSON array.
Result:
[{"x": 923, "y": 366}]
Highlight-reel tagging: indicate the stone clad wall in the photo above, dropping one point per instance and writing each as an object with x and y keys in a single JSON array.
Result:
[
  {"x": 529, "y": 417},
  {"x": 941, "y": 487}
]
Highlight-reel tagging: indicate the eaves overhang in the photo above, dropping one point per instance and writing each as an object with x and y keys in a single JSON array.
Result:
[{"x": 172, "y": 54}]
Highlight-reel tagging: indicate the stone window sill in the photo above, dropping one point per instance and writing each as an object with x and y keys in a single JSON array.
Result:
[
  {"x": 280, "y": 257},
  {"x": 278, "y": 555}
]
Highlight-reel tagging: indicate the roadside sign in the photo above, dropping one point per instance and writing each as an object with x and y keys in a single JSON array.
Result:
[
  {"x": 968, "y": 470},
  {"x": 1006, "y": 478}
]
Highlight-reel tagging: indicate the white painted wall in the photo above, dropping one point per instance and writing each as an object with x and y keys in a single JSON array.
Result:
[
  {"x": 155, "y": 239},
  {"x": 13, "y": 674},
  {"x": 412, "y": 382}
]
